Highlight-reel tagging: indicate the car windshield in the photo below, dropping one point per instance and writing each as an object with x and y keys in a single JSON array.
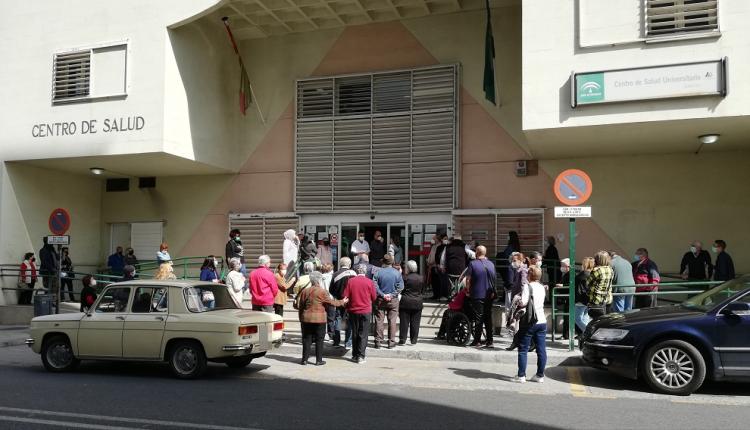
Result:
[
  {"x": 714, "y": 296},
  {"x": 208, "y": 297}
]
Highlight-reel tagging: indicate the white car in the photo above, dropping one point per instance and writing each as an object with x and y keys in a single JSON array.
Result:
[{"x": 184, "y": 323}]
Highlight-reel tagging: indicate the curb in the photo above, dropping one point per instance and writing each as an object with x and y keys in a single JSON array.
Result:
[
  {"x": 12, "y": 342},
  {"x": 464, "y": 355}
]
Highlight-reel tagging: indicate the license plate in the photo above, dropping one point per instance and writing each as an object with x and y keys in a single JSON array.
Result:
[{"x": 264, "y": 334}]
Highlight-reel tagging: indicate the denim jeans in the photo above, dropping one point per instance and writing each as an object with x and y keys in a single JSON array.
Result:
[
  {"x": 539, "y": 333},
  {"x": 622, "y": 303},
  {"x": 582, "y": 317}
]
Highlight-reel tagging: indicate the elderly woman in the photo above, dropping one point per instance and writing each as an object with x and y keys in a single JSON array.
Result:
[
  {"x": 410, "y": 306},
  {"x": 280, "y": 300},
  {"x": 165, "y": 272},
  {"x": 304, "y": 280},
  {"x": 235, "y": 280},
  {"x": 599, "y": 285},
  {"x": 311, "y": 304}
]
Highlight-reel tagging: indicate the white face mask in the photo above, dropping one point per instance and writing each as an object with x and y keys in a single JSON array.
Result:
[
  {"x": 693, "y": 249},
  {"x": 93, "y": 283},
  {"x": 539, "y": 263},
  {"x": 282, "y": 271},
  {"x": 445, "y": 241},
  {"x": 565, "y": 269},
  {"x": 361, "y": 238}
]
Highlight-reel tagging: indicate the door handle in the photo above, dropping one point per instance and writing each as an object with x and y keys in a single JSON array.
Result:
[
  {"x": 120, "y": 318},
  {"x": 159, "y": 318}
]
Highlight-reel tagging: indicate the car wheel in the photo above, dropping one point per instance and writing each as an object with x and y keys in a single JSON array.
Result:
[
  {"x": 239, "y": 362},
  {"x": 674, "y": 367},
  {"x": 459, "y": 330},
  {"x": 187, "y": 360},
  {"x": 57, "y": 355}
]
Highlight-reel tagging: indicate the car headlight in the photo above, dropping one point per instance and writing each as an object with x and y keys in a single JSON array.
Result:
[{"x": 609, "y": 334}]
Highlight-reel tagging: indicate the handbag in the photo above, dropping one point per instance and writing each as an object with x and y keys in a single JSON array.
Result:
[{"x": 529, "y": 318}]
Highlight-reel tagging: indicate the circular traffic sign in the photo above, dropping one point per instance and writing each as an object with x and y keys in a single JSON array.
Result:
[
  {"x": 59, "y": 222},
  {"x": 573, "y": 187}
]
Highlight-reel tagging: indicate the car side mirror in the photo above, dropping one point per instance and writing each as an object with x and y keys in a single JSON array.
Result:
[{"x": 736, "y": 309}]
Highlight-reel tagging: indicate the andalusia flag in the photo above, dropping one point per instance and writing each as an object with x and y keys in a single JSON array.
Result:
[
  {"x": 489, "y": 59},
  {"x": 245, "y": 90}
]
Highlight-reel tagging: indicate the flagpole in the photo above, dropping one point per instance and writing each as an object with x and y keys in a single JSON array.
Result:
[{"x": 257, "y": 105}]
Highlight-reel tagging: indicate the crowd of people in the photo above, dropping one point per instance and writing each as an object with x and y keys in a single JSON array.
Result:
[{"x": 377, "y": 281}]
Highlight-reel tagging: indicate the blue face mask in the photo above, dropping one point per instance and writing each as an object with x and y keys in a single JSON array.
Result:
[{"x": 636, "y": 258}]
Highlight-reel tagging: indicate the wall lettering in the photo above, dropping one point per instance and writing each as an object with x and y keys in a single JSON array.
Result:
[{"x": 90, "y": 126}]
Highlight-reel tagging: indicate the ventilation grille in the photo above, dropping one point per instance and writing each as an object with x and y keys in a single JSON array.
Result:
[
  {"x": 681, "y": 16},
  {"x": 263, "y": 234},
  {"x": 71, "y": 75},
  {"x": 492, "y": 229}
]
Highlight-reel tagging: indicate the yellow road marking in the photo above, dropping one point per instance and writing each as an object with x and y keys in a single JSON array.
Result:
[{"x": 577, "y": 389}]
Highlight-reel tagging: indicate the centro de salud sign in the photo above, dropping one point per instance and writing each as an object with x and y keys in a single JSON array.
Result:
[
  {"x": 706, "y": 78},
  {"x": 90, "y": 126}
]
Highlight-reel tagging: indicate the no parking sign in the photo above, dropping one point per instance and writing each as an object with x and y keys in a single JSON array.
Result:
[{"x": 59, "y": 222}]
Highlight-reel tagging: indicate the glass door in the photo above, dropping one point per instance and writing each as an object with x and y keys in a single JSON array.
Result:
[{"x": 346, "y": 238}]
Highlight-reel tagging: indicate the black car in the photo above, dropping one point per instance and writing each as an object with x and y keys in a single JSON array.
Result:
[{"x": 675, "y": 348}]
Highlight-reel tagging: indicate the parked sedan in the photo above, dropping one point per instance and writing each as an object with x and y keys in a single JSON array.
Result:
[
  {"x": 674, "y": 348},
  {"x": 183, "y": 323}
]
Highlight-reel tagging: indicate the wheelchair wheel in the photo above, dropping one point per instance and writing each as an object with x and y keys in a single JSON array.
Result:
[{"x": 459, "y": 330}]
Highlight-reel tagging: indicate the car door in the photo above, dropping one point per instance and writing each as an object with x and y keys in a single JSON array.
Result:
[
  {"x": 100, "y": 333},
  {"x": 733, "y": 336},
  {"x": 144, "y": 326}
]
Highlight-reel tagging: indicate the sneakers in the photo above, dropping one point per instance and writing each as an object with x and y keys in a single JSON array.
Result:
[
  {"x": 361, "y": 360},
  {"x": 537, "y": 379},
  {"x": 519, "y": 379}
]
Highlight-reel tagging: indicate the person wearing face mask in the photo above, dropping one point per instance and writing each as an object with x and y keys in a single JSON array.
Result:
[
  {"x": 235, "y": 249},
  {"x": 290, "y": 249},
  {"x": 281, "y": 297},
  {"x": 27, "y": 278},
  {"x": 623, "y": 279},
  {"x": 130, "y": 258},
  {"x": 552, "y": 258},
  {"x": 163, "y": 255},
  {"x": 88, "y": 293},
  {"x": 128, "y": 273},
  {"x": 309, "y": 250},
  {"x": 645, "y": 272},
  {"x": 208, "y": 270},
  {"x": 455, "y": 259},
  {"x": 116, "y": 262},
  {"x": 724, "y": 264},
  {"x": 324, "y": 252},
  {"x": 66, "y": 267},
  {"x": 377, "y": 249},
  {"x": 359, "y": 248},
  {"x": 562, "y": 302},
  {"x": 438, "y": 271},
  {"x": 696, "y": 264}
]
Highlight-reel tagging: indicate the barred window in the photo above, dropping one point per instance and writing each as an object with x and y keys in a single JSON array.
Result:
[
  {"x": 90, "y": 73},
  {"x": 664, "y": 18}
]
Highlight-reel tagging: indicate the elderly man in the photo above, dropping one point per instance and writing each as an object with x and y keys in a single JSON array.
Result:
[
  {"x": 360, "y": 249},
  {"x": 480, "y": 281},
  {"x": 624, "y": 281},
  {"x": 696, "y": 263},
  {"x": 389, "y": 283},
  {"x": 336, "y": 315},
  {"x": 263, "y": 286},
  {"x": 361, "y": 294}
]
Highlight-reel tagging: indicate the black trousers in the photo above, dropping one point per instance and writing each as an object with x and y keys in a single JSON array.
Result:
[
  {"x": 645, "y": 302},
  {"x": 67, "y": 284},
  {"x": 24, "y": 298},
  {"x": 436, "y": 282},
  {"x": 443, "y": 332},
  {"x": 481, "y": 318},
  {"x": 596, "y": 312},
  {"x": 309, "y": 332},
  {"x": 360, "y": 324},
  {"x": 278, "y": 310},
  {"x": 409, "y": 324}
]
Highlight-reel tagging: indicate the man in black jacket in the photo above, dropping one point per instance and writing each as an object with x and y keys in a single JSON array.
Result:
[
  {"x": 336, "y": 315},
  {"x": 48, "y": 269},
  {"x": 455, "y": 259},
  {"x": 696, "y": 264},
  {"x": 724, "y": 264},
  {"x": 377, "y": 249}
]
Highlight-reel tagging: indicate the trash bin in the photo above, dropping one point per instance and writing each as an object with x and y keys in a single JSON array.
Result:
[{"x": 43, "y": 304}]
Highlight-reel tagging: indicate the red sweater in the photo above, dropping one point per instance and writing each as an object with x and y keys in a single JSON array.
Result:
[{"x": 361, "y": 293}]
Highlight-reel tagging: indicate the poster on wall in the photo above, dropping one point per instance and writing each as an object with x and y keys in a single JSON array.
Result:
[
  {"x": 322, "y": 236},
  {"x": 430, "y": 228},
  {"x": 417, "y": 240},
  {"x": 333, "y": 229},
  {"x": 416, "y": 228}
]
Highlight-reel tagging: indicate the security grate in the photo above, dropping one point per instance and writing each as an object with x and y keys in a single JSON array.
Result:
[
  {"x": 263, "y": 234},
  {"x": 391, "y": 138},
  {"x": 71, "y": 75},
  {"x": 680, "y": 16}
]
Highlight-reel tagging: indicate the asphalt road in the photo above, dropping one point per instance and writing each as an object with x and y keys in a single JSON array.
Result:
[{"x": 277, "y": 393}]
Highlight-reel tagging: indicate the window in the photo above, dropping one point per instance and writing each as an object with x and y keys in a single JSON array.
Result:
[
  {"x": 114, "y": 300},
  {"x": 208, "y": 297},
  {"x": 680, "y": 17},
  {"x": 149, "y": 299},
  {"x": 90, "y": 73},
  {"x": 377, "y": 141}
]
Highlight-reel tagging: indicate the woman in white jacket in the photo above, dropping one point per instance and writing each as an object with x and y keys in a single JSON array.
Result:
[
  {"x": 291, "y": 248},
  {"x": 235, "y": 280}
]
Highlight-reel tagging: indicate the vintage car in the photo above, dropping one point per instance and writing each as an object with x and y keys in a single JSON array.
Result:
[{"x": 184, "y": 323}]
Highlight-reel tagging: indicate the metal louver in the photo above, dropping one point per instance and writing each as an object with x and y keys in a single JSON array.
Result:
[
  {"x": 71, "y": 75},
  {"x": 492, "y": 227},
  {"x": 391, "y": 138},
  {"x": 263, "y": 234},
  {"x": 680, "y": 16}
]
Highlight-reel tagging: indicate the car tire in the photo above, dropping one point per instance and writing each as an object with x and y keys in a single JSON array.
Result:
[
  {"x": 187, "y": 359},
  {"x": 674, "y": 367},
  {"x": 57, "y": 355},
  {"x": 239, "y": 362}
]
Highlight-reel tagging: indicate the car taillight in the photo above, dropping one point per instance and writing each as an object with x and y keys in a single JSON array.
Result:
[
  {"x": 278, "y": 326},
  {"x": 247, "y": 329}
]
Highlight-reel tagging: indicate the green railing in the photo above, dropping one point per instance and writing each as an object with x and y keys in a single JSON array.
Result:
[
  {"x": 685, "y": 288},
  {"x": 184, "y": 267}
]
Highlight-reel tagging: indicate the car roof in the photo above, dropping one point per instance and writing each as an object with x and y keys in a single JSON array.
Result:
[{"x": 176, "y": 283}]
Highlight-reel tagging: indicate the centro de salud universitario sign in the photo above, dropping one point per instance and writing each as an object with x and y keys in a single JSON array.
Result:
[{"x": 706, "y": 78}]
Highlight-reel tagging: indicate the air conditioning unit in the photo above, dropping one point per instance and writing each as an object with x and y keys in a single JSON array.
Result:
[{"x": 522, "y": 168}]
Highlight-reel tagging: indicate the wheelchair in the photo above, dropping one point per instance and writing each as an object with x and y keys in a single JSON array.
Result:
[{"x": 458, "y": 326}]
